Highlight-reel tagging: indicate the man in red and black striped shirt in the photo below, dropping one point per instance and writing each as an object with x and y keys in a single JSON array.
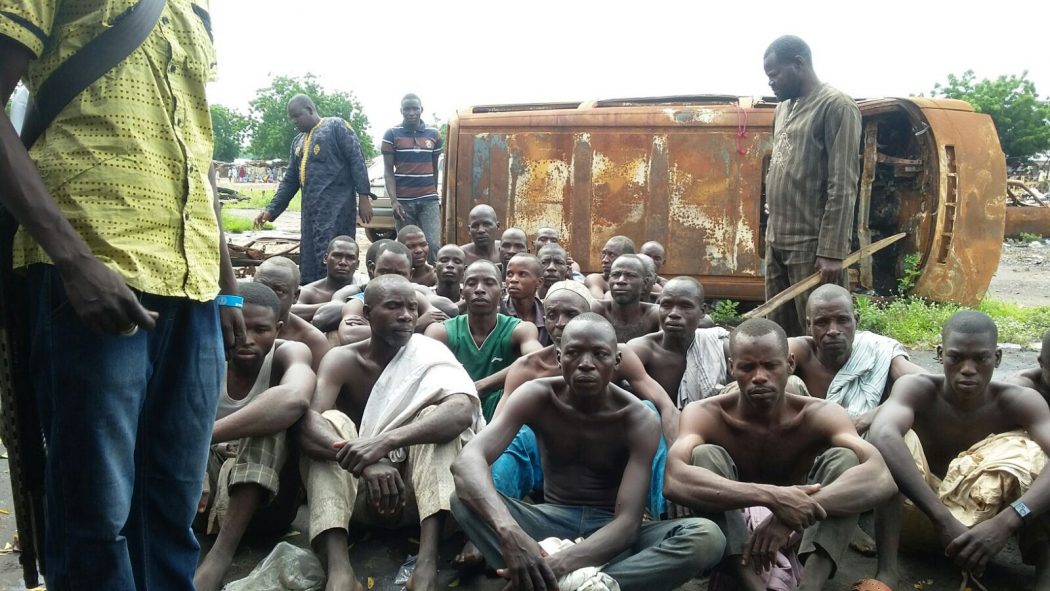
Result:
[{"x": 410, "y": 157}]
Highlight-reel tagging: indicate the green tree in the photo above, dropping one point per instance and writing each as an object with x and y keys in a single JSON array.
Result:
[
  {"x": 230, "y": 129},
  {"x": 271, "y": 130},
  {"x": 1021, "y": 117}
]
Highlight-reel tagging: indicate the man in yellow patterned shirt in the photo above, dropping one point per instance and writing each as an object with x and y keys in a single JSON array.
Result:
[{"x": 122, "y": 252}]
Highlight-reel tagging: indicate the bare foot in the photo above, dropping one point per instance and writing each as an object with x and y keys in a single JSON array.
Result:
[
  {"x": 862, "y": 543},
  {"x": 211, "y": 571},
  {"x": 469, "y": 558},
  {"x": 342, "y": 582},
  {"x": 424, "y": 577}
]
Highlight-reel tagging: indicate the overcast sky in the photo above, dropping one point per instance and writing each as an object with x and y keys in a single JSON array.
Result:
[{"x": 457, "y": 54}]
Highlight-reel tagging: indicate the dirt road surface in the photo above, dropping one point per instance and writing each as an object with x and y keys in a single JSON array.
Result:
[{"x": 1023, "y": 277}]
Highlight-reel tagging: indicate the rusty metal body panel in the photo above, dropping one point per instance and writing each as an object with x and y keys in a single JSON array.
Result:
[
  {"x": 1027, "y": 220},
  {"x": 686, "y": 171},
  {"x": 964, "y": 248}
]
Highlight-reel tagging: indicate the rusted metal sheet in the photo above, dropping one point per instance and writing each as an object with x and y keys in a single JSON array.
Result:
[
  {"x": 965, "y": 245},
  {"x": 679, "y": 174},
  {"x": 689, "y": 173},
  {"x": 1027, "y": 220}
]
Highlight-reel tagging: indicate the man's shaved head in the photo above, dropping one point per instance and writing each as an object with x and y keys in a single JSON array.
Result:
[
  {"x": 970, "y": 322},
  {"x": 303, "y": 101},
  {"x": 592, "y": 323},
  {"x": 342, "y": 238},
  {"x": 655, "y": 250},
  {"x": 274, "y": 263},
  {"x": 829, "y": 292},
  {"x": 407, "y": 231},
  {"x": 486, "y": 264},
  {"x": 531, "y": 260},
  {"x": 758, "y": 327},
  {"x": 546, "y": 235},
  {"x": 633, "y": 260},
  {"x": 687, "y": 286},
  {"x": 553, "y": 248},
  {"x": 653, "y": 246},
  {"x": 623, "y": 243},
  {"x": 515, "y": 233},
  {"x": 788, "y": 47},
  {"x": 483, "y": 210},
  {"x": 378, "y": 288},
  {"x": 451, "y": 250},
  {"x": 386, "y": 245}
]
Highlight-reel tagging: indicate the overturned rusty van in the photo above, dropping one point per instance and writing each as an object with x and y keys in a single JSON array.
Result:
[{"x": 690, "y": 171}]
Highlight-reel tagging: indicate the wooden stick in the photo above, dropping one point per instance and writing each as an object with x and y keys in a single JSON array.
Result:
[{"x": 813, "y": 280}]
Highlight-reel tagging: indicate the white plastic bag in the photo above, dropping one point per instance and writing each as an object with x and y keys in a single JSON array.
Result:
[{"x": 287, "y": 568}]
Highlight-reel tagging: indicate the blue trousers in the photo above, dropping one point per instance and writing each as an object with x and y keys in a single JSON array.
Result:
[
  {"x": 425, "y": 213},
  {"x": 664, "y": 556},
  {"x": 127, "y": 422}
]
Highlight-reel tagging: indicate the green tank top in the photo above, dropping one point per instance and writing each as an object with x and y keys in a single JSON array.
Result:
[{"x": 495, "y": 354}]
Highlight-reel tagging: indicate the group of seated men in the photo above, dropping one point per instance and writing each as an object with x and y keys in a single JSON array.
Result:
[{"x": 600, "y": 432}]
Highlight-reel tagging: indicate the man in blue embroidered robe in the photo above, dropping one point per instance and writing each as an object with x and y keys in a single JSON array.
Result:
[{"x": 326, "y": 163}]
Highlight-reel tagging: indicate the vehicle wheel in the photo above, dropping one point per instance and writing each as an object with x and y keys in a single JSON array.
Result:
[{"x": 376, "y": 234}]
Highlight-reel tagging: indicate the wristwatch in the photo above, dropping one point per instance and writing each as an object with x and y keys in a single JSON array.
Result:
[{"x": 1021, "y": 509}]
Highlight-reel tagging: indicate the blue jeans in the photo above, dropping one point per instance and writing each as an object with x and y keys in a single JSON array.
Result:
[
  {"x": 664, "y": 556},
  {"x": 127, "y": 421},
  {"x": 425, "y": 213}
]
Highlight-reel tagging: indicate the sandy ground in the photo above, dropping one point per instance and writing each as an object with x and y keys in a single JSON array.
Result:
[{"x": 1023, "y": 277}]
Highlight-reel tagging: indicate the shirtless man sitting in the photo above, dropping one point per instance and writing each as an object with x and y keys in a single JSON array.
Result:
[
  {"x": 482, "y": 225},
  {"x": 282, "y": 276},
  {"x": 630, "y": 316},
  {"x": 554, "y": 263},
  {"x": 513, "y": 242},
  {"x": 658, "y": 253},
  {"x": 1037, "y": 378},
  {"x": 691, "y": 363},
  {"x": 267, "y": 388},
  {"x": 340, "y": 261},
  {"x": 597, "y": 443},
  {"x": 565, "y": 301},
  {"x": 389, "y": 414},
  {"x": 450, "y": 266},
  {"x": 598, "y": 283},
  {"x": 415, "y": 241},
  {"x": 797, "y": 456},
  {"x": 483, "y": 340},
  {"x": 931, "y": 420},
  {"x": 852, "y": 369}
]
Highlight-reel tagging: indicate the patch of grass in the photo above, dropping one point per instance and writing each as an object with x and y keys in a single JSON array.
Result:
[
  {"x": 1028, "y": 237},
  {"x": 911, "y": 273},
  {"x": 235, "y": 224},
  {"x": 1017, "y": 324},
  {"x": 725, "y": 312},
  {"x": 260, "y": 198},
  {"x": 917, "y": 323}
]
